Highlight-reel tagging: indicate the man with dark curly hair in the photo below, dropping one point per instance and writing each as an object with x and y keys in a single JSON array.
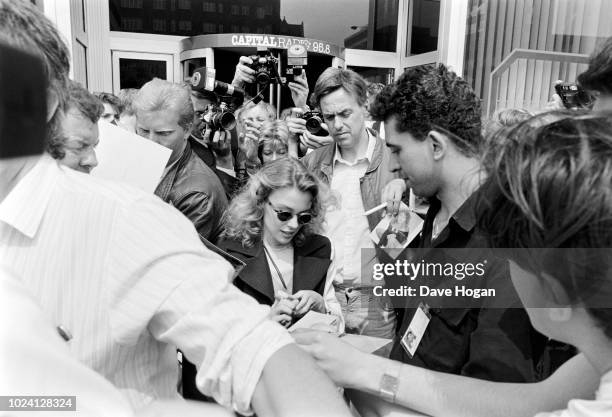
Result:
[
  {"x": 74, "y": 144},
  {"x": 432, "y": 122},
  {"x": 433, "y": 125}
]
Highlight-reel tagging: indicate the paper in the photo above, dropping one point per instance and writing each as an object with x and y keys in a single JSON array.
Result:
[
  {"x": 126, "y": 157},
  {"x": 368, "y": 344},
  {"x": 313, "y": 319},
  {"x": 396, "y": 232}
]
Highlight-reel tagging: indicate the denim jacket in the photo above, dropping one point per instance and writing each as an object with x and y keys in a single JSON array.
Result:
[{"x": 320, "y": 161}]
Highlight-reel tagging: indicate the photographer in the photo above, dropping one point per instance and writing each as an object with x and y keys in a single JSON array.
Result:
[
  {"x": 164, "y": 115},
  {"x": 213, "y": 147}
]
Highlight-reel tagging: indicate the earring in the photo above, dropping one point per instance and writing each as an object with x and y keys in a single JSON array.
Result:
[{"x": 560, "y": 314}]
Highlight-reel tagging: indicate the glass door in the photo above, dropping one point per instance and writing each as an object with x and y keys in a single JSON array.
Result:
[{"x": 133, "y": 69}]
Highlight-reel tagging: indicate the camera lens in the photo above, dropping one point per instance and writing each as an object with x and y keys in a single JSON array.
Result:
[
  {"x": 313, "y": 124},
  {"x": 223, "y": 120},
  {"x": 262, "y": 76}
]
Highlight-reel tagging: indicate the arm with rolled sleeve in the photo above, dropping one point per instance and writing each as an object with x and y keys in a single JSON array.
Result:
[{"x": 181, "y": 293}]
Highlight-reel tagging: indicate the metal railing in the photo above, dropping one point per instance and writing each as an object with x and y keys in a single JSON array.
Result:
[{"x": 534, "y": 54}]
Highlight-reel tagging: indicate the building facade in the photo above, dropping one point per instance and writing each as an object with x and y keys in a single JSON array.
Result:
[{"x": 511, "y": 51}]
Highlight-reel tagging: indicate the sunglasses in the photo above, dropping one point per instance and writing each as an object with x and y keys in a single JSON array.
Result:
[{"x": 285, "y": 216}]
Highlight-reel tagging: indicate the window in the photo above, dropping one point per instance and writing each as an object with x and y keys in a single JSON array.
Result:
[
  {"x": 184, "y": 4},
  {"x": 209, "y": 27},
  {"x": 245, "y": 10},
  {"x": 260, "y": 12},
  {"x": 128, "y": 24},
  {"x": 245, "y": 29},
  {"x": 133, "y": 73},
  {"x": 235, "y": 10},
  {"x": 159, "y": 4},
  {"x": 220, "y": 7},
  {"x": 184, "y": 25},
  {"x": 209, "y": 6},
  {"x": 159, "y": 25},
  {"x": 268, "y": 9},
  {"x": 131, "y": 4},
  {"x": 423, "y": 32},
  {"x": 260, "y": 30},
  {"x": 235, "y": 28},
  {"x": 220, "y": 28}
]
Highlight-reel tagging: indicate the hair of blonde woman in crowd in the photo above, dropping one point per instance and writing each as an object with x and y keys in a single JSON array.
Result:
[
  {"x": 504, "y": 118},
  {"x": 244, "y": 218},
  {"x": 250, "y": 149},
  {"x": 268, "y": 108},
  {"x": 159, "y": 95},
  {"x": 274, "y": 133}
]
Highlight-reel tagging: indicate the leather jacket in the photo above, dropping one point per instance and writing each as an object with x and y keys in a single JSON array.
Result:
[
  {"x": 194, "y": 189},
  {"x": 320, "y": 161}
]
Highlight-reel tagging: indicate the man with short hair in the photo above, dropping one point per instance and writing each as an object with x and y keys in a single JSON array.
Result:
[
  {"x": 112, "y": 107},
  {"x": 356, "y": 166},
  {"x": 164, "y": 114},
  {"x": 432, "y": 121},
  {"x": 75, "y": 142},
  {"x": 128, "y": 280}
]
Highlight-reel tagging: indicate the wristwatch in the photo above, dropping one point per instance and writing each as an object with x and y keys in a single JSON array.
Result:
[{"x": 389, "y": 384}]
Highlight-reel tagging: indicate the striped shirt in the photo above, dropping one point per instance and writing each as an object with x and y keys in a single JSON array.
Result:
[{"x": 126, "y": 274}]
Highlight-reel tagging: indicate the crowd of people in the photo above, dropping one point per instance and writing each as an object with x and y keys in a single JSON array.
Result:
[{"x": 251, "y": 229}]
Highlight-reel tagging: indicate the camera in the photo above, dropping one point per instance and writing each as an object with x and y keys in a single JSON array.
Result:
[
  {"x": 218, "y": 116},
  {"x": 313, "y": 123},
  {"x": 314, "y": 119},
  {"x": 265, "y": 67},
  {"x": 573, "y": 96}
]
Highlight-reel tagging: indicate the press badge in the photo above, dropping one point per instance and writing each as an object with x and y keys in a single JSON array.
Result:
[{"x": 411, "y": 339}]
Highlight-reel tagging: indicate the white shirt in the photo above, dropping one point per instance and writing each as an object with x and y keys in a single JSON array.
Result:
[
  {"x": 126, "y": 274},
  {"x": 28, "y": 369},
  {"x": 281, "y": 258},
  {"x": 346, "y": 225},
  {"x": 601, "y": 406}
]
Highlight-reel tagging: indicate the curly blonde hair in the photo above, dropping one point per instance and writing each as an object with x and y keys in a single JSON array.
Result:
[
  {"x": 275, "y": 132},
  {"x": 244, "y": 218}
]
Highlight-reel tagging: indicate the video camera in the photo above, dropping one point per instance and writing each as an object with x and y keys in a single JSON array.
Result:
[
  {"x": 573, "y": 96},
  {"x": 219, "y": 116}
]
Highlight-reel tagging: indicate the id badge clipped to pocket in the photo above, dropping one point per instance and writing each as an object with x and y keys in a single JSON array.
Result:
[{"x": 415, "y": 331}]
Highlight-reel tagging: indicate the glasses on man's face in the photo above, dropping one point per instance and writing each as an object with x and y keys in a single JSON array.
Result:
[{"x": 285, "y": 216}]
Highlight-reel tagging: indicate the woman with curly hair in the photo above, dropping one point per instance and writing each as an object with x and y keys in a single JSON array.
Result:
[{"x": 271, "y": 227}]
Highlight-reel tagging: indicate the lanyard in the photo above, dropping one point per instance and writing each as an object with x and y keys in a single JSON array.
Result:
[{"x": 275, "y": 267}]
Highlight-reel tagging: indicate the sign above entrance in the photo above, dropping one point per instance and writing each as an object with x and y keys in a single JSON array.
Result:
[{"x": 254, "y": 40}]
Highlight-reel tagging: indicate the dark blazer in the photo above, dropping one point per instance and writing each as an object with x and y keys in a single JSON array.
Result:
[{"x": 310, "y": 264}]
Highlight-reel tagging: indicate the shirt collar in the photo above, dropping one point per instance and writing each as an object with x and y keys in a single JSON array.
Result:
[
  {"x": 465, "y": 216},
  {"x": 368, "y": 154},
  {"x": 24, "y": 207}
]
